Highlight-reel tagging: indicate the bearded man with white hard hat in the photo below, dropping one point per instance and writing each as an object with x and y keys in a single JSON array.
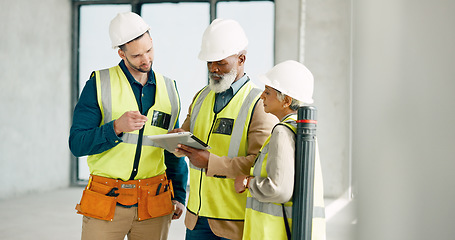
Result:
[
  {"x": 229, "y": 116},
  {"x": 130, "y": 192}
]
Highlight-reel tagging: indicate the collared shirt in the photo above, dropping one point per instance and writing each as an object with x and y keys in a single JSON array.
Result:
[
  {"x": 87, "y": 137},
  {"x": 223, "y": 98}
]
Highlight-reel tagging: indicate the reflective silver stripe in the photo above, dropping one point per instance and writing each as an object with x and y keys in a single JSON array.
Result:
[
  {"x": 197, "y": 107},
  {"x": 268, "y": 208},
  {"x": 174, "y": 99},
  {"x": 240, "y": 121},
  {"x": 276, "y": 210},
  {"x": 106, "y": 96},
  {"x": 147, "y": 142},
  {"x": 130, "y": 138}
]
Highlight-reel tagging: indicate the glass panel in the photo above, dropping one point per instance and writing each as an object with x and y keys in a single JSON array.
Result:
[
  {"x": 176, "y": 31},
  {"x": 95, "y": 51},
  {"x": 257, "y": 19}
]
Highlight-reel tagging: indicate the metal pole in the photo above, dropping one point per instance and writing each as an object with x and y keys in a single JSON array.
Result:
[
  {"x": 136, "y": 8},
  {"x": 213, "y": 9},
  {"x": 75, "y": 17},
  {"x": 302, "y": 209}
]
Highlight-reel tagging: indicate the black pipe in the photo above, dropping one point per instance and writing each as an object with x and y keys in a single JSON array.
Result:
[{"x": 302, "y": 209}]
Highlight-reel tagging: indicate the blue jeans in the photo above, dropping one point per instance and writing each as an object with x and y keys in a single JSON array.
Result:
[{"x": 202, "y": 231}]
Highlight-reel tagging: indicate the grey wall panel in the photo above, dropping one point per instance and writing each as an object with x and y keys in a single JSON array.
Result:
[
  {"x": 318, "y": 33},
  {"x": 34, "y": 95},
  {"x": 403, "y": 146}
]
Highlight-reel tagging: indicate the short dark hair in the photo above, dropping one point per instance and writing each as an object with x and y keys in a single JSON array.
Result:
[{"x": 123, "y": 46}]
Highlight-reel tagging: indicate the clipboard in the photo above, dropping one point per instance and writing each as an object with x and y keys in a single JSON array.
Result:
[{"x": 169, "y": 141}]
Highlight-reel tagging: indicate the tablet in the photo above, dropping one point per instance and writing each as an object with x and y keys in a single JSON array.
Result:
[{"x": 169, "y": 141}]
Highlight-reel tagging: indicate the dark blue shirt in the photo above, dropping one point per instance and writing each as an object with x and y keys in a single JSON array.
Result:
[
  {"x": 223, "y": 98},
  {"x": 87, "y": 137}
]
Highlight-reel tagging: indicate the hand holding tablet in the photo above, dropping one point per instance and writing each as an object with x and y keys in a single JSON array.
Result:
[{"x": 171, "y": 140}]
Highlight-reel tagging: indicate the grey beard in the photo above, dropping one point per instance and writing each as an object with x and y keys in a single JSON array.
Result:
[{"x": 224, "y": 83}]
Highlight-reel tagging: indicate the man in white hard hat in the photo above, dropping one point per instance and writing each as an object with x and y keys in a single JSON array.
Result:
[
  {"x": 129, "y": 191},
  {"x": 229, "y": 116}
]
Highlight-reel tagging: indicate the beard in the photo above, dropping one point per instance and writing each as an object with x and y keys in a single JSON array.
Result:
[
  {"x": 224, "y": 83},
  {"x": 145, "y": 68}
]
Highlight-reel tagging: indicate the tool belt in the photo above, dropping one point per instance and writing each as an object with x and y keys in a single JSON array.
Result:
[{"x": 152, "y": 196}]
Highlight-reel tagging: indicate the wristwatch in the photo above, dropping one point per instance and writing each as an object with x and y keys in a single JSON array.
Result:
[{"x": 246, "y": 181}]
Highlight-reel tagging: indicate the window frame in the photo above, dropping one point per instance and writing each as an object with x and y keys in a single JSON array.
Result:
[{"x": 136, "y": 6}]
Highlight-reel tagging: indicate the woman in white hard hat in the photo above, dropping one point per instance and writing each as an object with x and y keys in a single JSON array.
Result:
[{"x": 268, "y": 214}]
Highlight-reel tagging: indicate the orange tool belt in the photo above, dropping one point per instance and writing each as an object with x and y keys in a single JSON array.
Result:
[{"x": 152, "y": 196}]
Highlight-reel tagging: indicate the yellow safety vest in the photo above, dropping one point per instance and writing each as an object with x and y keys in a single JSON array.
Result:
[
  {"x": 226, "y": 132},
  {"x": 264, "y": 220},
  {"x": 115, "y": 97}
]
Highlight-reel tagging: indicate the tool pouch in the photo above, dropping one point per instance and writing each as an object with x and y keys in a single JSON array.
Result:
[
  {"x": 155, "y": 201},
  {"x": 127, "y": 196},
  {"x": 94, "y": 203}
]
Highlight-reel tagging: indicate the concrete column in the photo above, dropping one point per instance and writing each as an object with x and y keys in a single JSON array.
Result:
[
  {"x": 403, "y": 121},
  {"x": 34, "y": 96},
  {"x": 317, "y": 33},
  {"x": 287, "y": 30}
]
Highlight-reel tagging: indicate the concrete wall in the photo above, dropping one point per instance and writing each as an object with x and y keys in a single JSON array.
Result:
[
  {"x": 287, "y": 25},
  {"x": 34, "y": 95},
  {"x": 403, "y": 118},
  {"x": 317, "y": 33},
  {"x": 327, "y": 54},
  {"x": 394, "y": 99}
]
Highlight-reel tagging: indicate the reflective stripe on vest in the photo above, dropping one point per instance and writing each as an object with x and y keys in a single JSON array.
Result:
[
  {"x": 215, "y": 197},
  {"x": 276, "y": 209},
  {"x": 260, "y": 217},
  {"x": 234, "y": 144},
  {"x": 107, "y": 105},
  {"x": 115, "y": 97}
]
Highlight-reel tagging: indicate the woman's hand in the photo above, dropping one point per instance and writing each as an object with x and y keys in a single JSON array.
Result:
[{"x": 239, "y": 186}]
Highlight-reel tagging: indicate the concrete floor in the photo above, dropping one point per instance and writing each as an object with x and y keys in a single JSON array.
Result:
[{"x": 51, "y": 216}]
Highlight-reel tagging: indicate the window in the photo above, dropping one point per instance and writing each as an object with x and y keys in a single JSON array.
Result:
[
  {"x": 95, "y": 50},
  {"x": 176, "y": 29},
  {"x": 257, "y": 19}
]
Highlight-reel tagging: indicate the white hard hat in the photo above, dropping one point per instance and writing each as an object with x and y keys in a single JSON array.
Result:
[
  {"x": 126, "y": 27},
  {"x": 291, "y": 78},
  {"x": 221, "y": 39}
]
